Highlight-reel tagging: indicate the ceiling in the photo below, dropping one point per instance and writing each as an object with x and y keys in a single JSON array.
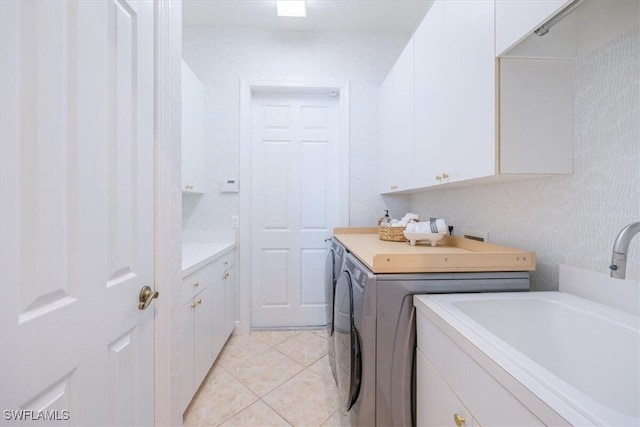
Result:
[{"x": 322, "y": 15}]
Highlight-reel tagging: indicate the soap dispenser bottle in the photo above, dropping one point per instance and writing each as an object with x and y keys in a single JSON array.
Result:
[{"x": 386, "y": 220}]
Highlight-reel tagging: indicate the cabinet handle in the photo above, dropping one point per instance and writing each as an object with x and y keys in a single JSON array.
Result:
[
  {"x": 225, "y": 275},
  {"x": 193, "y": 305},
  {"x": 445, "y": 175},
  {"x": 188, "y": 187},
  {"x": 394, "y": 187},
  {"x": 199, "y": 301},
  {"x": 438, "y": 178},
  {"x": 459, "y": 420},
  {"x": 226, "y": 263},
  {"x": 195, "y": 285}
]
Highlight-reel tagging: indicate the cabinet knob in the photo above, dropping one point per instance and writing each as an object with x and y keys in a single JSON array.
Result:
[
  {"x": 193, "y": 305},
  {"x": 188, "y": 187},
  {"x": 394, "y": 187},
  {"x": 195, "y": 285},
  {"x": 459, "y": 420},
  {"x": 445, "y": 175},
  {"x": 438, "y": 178},
  {"x": 199, "y": 301},
  {"x": 225, "y": 275}
]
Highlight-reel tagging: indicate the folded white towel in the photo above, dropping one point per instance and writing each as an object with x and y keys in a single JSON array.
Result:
[{"x": 434, "y": 225}]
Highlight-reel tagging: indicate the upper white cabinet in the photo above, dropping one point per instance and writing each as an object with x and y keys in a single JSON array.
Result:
[
  {"x": 476, "y": 117},
  {"x": 192, "y": 131},
  {"x": 469, "y": 98},
  {"x": 516, "y": 19},
  {"x": 430, "y": 149},
  {"x": 396, "y": 125},
  {"x": 454, "y": 93}
]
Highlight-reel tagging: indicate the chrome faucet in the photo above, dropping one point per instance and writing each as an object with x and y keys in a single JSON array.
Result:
[{"x": 618, "y": 265}]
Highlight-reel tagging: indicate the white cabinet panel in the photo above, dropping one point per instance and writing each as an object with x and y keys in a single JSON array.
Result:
[
  {"x": 430, "y": 132},
  {"x": 192, "y": 131},
  {"x": 203, "y": 331},
  {"x": 455, "y": 93},
  {"x": 397, "y": 124},
  {"x": 230, "y": 300},
  {"x": 469, "y": 101}
]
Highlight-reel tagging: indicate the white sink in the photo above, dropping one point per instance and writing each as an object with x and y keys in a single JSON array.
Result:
[{"x": 584, "y": 353}]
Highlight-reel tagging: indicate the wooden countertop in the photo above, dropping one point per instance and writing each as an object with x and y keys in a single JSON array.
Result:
[{"x": 451, "y": 254}]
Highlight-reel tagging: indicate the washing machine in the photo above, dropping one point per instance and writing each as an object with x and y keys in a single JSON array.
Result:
[
  {"x": 332, "y": 269},
  {"x": 375, "y": 337}
]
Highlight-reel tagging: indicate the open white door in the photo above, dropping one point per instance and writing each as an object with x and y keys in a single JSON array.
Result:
[{"x": 76, "y": 211}]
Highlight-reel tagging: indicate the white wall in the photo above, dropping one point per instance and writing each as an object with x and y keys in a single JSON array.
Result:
[
  {"x": 572, "y": 220},
  {"x": 220, "y": 58}
]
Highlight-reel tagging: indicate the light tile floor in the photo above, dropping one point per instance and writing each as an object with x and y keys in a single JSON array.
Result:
[{"x": 269, "y": 378}]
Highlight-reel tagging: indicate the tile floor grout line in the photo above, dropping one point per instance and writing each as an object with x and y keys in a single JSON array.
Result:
[{"x": 271, "y": 342}]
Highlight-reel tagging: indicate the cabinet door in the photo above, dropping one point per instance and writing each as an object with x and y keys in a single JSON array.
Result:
[
  {"x": 396, "y": 122},
  {"x": 469, "y": 82},
  {"x": 515, "y": 19},
  {"x": 218, "y": 331},
  {"x": 229, "y": 301},
  {"x": 203, "y": 320},
  {"x": 429, "y": 91},
  {"x": 192, "y": 131},
  {"x": 436, "y": 404},
  {"x": 187, "y": 355}
]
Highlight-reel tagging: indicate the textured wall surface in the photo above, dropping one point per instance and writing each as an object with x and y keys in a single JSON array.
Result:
[
  {"x": 574, "y": 219},
  {"x": 220, "y": 58}
]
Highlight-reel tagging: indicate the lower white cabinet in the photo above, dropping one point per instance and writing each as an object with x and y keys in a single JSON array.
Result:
[
  {"x": 449, "y": 382},
  {"x": 208, "y": 319}
]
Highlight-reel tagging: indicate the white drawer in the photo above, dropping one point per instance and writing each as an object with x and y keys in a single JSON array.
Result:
[
  {"x": 227, "y": 260},
  {"x": 197, "y": 281}
]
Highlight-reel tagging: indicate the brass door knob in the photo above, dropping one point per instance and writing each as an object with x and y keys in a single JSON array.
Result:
[
  {"x": 459, "y": 420},
  {"x": 146, "y": 296}
]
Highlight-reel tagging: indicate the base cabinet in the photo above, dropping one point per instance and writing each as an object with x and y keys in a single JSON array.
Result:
[
  {"x": 449, "y": 382},
  {"x": 208, "y": 319}
]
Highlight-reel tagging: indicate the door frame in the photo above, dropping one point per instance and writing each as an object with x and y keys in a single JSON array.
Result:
[
  {"x": 167, "y": 247},
  {"x": 247, "y": 89}
]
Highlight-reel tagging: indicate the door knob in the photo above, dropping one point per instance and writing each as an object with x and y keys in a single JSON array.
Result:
[{"x": 146, "y": 296}]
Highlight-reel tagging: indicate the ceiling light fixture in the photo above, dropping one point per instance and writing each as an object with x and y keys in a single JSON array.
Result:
[{"x": 296, "y": 8}]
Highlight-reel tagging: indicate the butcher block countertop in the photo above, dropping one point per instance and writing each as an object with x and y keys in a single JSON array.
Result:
[{"x": 451, "y": 254}]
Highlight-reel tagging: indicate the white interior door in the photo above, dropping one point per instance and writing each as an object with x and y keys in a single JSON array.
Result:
[
  {"x": 76, "y": 211},
  {"x": 294, "y": 205}
]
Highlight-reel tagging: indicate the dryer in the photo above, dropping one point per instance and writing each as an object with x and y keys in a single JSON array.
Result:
[
  {"x": 375, "y": 338},
  {"x": 332, "y": 269}
]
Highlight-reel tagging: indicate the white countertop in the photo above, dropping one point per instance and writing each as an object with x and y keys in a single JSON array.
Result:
[{"x": 195, "y": 255}]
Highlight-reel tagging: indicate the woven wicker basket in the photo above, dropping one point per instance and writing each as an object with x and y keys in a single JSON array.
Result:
[{"x": 391, "y": 234}]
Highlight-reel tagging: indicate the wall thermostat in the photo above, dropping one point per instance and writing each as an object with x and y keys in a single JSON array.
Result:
[{"x": 229, "y": 186}]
